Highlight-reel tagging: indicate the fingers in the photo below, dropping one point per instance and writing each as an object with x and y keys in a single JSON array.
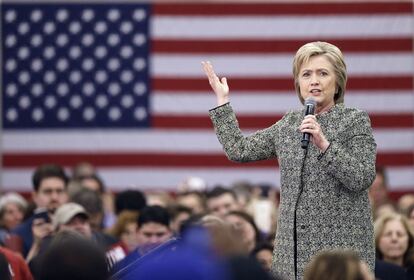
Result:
[{"x": 208, "y": 69}]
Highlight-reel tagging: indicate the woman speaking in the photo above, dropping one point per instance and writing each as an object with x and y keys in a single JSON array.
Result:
[{"x": 323, "y": 198}]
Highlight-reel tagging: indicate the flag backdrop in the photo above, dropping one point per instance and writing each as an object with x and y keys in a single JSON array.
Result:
[{"x": 121, "y": 85}]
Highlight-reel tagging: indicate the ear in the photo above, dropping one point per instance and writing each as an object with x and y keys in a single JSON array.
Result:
[{"x": 34, "y": 197}]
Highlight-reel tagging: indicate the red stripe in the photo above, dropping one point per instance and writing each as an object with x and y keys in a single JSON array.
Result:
[
  {"x": 274, "y": 46},
  {"x": 316, "y": 8},
  {"x": 164, "y": 160},
  {"x": 275, "y": 84},
  {"x": 258, "y": 122}
]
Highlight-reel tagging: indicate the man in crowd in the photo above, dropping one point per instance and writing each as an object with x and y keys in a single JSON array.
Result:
[
  {"x": 49, "y": 192},
  {"x": 221, "y": 201}
]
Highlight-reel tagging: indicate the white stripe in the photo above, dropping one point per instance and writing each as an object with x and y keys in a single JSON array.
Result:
[
  {"x": 176, "y": 141},
  {"x": 258, "y": 103},
  {"x": 282, "y": 27},
  {"x": 240, "y": 65},
  {"x": 124, "y": 178}
]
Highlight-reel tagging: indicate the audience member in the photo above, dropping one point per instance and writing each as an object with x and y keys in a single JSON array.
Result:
[
  {"x": 221, "y": 201},
  {"x": 125, "y": 230},
  {"x": 246, "y": 227},
  {"x": 192, "y": 184},
  {"x": 378, "y": 192},
  {"x": 394, "y": 240},
  {"x": 179, "y": 214},
  {"x": 16, "y": 265},
  {"x": 71, "y": 256},
  {"x": 133, "y": 200},
  {"x": 49, "y": 185},
  {"x": 83, "y": 169},
  {"x": 12, "y": 211},
  {"x": 338, "y": 265},
  {"x": 92, "y": 202},
  {"x": 405, "y": 202},
  {"x": 263, "y": 253},
  {"x": 194, "y": 200},
  {"x": 4, "y": 268}
]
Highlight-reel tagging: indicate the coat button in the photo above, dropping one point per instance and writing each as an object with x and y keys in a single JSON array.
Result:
[{"x": 303, "y": 227}]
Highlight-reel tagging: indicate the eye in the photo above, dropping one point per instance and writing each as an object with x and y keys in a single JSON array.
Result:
[
  {"x": 323, "y": 73},
  {"x": 305, "y": 74}
]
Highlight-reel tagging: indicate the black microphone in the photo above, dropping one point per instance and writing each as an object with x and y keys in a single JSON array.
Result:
[{"x": 309, "y": 110}]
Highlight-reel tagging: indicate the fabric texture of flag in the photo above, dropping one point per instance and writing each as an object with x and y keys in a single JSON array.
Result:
[{"x": 121, "y": 85}]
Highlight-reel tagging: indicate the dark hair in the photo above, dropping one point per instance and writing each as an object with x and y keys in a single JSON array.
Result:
[
  {"x": 260, "y": 247},
  {"x": 219, "y": 191},
  {"x": 70, "y": 256},
  {"x": 244, "y": 268},
  {"x": 133, "y": 200},
  {"x": 89, "y": 199},
  {"x": 47, "y": 171},
  {"x": 4, "y": 268},
  {"x": 154, "y": 214},
  {"x": 175, "y": 210},
  {"x": 250, "y": 220}
]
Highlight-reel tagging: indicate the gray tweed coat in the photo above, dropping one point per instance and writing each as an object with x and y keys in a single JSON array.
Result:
[{"x": 324, "y": 197}]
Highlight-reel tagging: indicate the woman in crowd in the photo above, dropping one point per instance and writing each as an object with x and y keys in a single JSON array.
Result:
[
  {"x": 12, "y": 211},
  {"x": 324, "y": 199}
]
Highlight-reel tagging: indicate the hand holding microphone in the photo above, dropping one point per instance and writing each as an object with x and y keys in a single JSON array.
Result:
[{"x": 310, "y": 127}]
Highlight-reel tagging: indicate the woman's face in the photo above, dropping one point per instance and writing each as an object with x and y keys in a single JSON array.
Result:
[
  {"x": 393, "y": 242},
  {"x": 317, "y": 79},
  {"x": 13, "y": 216},
  {"x": 245, "y": 228},
  {"x": 128, "y": 236}
]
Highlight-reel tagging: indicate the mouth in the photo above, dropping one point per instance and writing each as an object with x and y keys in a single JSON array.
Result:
[{"x": 315, "y": 91}]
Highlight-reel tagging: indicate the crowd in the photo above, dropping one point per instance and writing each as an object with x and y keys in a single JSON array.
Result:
[{"x": 74, "y": 228}]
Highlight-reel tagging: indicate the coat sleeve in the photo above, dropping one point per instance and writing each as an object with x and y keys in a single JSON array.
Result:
[
  {"x": 258, "y": 146},
  {"x": 352, "y": 159}
]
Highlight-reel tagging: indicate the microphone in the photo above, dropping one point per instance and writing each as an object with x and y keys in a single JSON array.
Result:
[{"x": 309, "y": 110}]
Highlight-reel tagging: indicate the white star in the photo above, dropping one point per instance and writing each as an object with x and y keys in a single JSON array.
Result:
[
  {"x": 62, "y": 15},
  {"x": 11, "y": 90},
  {"x": 114, "y": 89},
  {"x": 114, "y": 15},
  {"x": 50, "y": 77},
  {"x": 75, "y": 76},
  {"x": 139, "y": 64},
  {"x": 126, "y": 52},
  {"x": 139, "y": 39},
  {"x": 114, "y": 64},
  {"x": 37, "y": 64},
  {"x": 23, "y": 53},
  {"x": 49, "y": 52},
  {"x": 113, "y": 39},
  {"x": 37, "y": 89},
  {"x": 101, "y": 27},
  {"x": 49, "y": 27},
  {"x": 10, "y": 16},
  {"x": 126, "y": 76},
  {"x": 12, "y": 114},
  {"x": 114, "y": 113},
  {"x": 11, "y": 65},
  {"x": 37, "y": 114},
  {"x": 127, "y": 101},
  {"x": 88, "y": 89},
  {"x": 88, "y": 40},
  {"x": 76, "y": 101},
  {"x": 62, "y": 89},
  {"x": 75, "y": 27},
  {"x": 24, "y": 77},
  {"x": 126, "y": 27},
  {"x": 62, "y": 64},
  {"x": 75, "y": 52},
  {"x": 88, "y": 114},
  {"x": 88, "y": 15},
  {"x": 62, "y": 40},
  {"x": 50, "y": 101},
  {"x": 11, "y": 41},
  {"x": 24, "y": 102},
  {"x": 36, "y": 15},
  {"x": 101, "y": 52},
  {"x": 140, "y": 113},
  {"x": 101, "y": 77},
  {"x": 63, "y": 114},
  {"x": 101, "y": 101},
  {"x": 36, "y": 40},
  {"x": 139, "y": 14},
  {"x": 140, "y": 88},
  {"x": 88, "y": 64},
  {"x": 23, "y": 28}
]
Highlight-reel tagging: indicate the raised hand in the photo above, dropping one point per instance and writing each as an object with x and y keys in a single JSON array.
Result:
[{"x": 220, "y": 88}]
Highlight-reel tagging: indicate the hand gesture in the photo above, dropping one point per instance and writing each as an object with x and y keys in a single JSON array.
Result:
[
  {"x": 310, "y": 125},
  {"x": 220, "y": 88}
]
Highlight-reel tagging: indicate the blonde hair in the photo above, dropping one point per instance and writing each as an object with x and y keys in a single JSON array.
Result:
[
  {"x": 335, "y": 57},
  {"x": 334, "y": 264},
  {"x": 379, "y": 227}
]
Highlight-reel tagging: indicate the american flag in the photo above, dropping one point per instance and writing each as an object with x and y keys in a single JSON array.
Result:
[{"x": 121, "y": 86}]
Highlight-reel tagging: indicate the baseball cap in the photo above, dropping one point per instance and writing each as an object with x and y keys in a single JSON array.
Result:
[{"x": 66, "y": 212}]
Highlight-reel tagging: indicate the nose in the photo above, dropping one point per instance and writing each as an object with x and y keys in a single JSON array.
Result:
[{"x": 314, "y": 80}]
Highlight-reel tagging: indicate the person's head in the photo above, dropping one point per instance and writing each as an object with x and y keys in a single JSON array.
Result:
[
  {"x": 133, "y": 200},
  {"x": 410, "y": 216},
  {"x": 335, "y": 264},
  {"x": 12, "y": 210},
  {"x": 245, "y": 226},
  {"x": 179, "y": 214},
  {"x": 263, "y": 252},
  {"x": 92, "y": 182},
  {"x": 72, "y": 216},
  {"x": 49, "y": 184},
  {"x": 221, "y": 201},
  {"x": 378, "y": 192},
  {"x": 71, "y": 256},
  {"x": 91, "y": 201},
  {"x": 125, "y": 228},
  {"x": 393, "y": 239},
  {"x": 319, "y": 71},
  {"x": 83, "y": 169},
  {"x": 405, "y": 201},
  {"x": 153, "y": 225},
  {"x": 193, "y": 200}
]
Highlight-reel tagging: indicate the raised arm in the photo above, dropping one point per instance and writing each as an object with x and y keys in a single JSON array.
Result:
[{"x": 220, "y": 88}]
